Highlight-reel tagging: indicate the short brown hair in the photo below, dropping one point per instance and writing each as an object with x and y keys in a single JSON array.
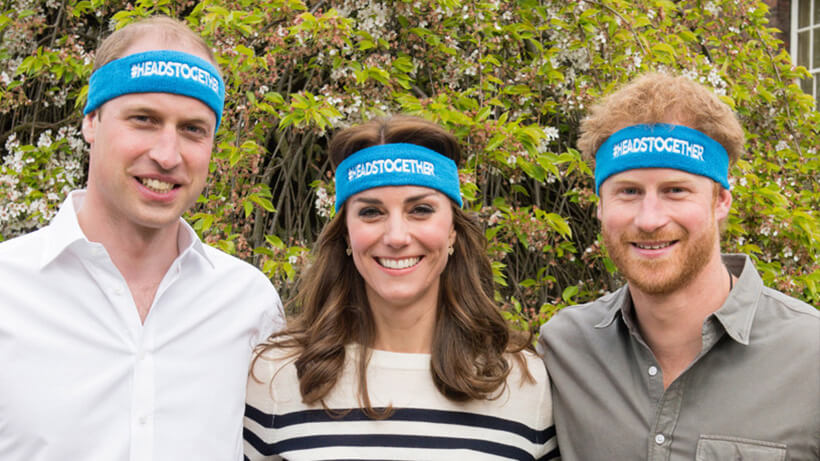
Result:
[
  {"x": 661, "y": 98},
  {"x": 171, "y": 30}
]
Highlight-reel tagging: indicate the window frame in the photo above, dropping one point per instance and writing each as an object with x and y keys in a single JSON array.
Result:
[{"x": 812, "y": 28}]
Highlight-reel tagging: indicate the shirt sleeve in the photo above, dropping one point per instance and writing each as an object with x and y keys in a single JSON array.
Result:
[{"x": 273, "y": 314}]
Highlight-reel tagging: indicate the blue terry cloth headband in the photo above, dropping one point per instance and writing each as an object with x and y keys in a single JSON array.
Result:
[
  {"x": 397, "y": 164},
  {"x": 160, "y": 71},
  {"x": 662, "y": 146}
]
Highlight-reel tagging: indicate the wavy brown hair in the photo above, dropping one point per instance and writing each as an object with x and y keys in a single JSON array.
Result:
[
  {"x": 471, "y": 338},
  {"x": 657, "y": 98}
]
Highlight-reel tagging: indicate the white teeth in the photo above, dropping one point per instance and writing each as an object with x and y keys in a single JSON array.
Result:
[
  {"x": 653, "y": 247},
  {"x": 399, "y": 263},
  {"x": 156, "y": 185}
]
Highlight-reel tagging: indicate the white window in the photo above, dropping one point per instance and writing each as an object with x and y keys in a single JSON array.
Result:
[{"x": 805, "y": 43}]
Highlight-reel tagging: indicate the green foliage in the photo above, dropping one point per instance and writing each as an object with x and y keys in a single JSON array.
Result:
[{"x": 511, "y": 79}]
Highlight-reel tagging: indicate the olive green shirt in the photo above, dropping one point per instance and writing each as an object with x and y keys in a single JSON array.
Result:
[{"x": 753, "y": 392}]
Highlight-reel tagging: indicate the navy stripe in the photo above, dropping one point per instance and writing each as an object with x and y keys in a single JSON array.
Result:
[
  {"x": 393, "y": 440},
  {"x": 403, "y": 414},
  {"x": 256, "y": 442},
  {"x": 554, "y": 453},
  {"x": 258, "y": 415}
]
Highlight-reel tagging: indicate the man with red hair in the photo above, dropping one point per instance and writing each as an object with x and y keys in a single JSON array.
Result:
[{"x": 694, "y": 358}]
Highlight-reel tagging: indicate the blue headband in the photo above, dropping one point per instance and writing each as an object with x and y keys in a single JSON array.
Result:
[
  {"x": 396, "y": 165},
  {"x": 160, "y": 71},
  {"x": 662, "y": 146}
]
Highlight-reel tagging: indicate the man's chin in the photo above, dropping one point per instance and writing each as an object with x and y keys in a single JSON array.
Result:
[{"x": 654, "y": 287}]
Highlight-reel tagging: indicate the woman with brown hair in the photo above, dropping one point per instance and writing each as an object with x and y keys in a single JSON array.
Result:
[{"x": 399, "y": 351}]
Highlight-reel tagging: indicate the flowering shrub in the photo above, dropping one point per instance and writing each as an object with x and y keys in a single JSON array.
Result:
[
  {"x": 511, "y": 79},
  {"x": 35, "y": 179}
]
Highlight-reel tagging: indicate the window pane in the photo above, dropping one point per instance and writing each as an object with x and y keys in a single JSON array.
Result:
[
  {"x": 816, "y": 12},
  {"x": 815, "y": 59},
  {"x": 803, "y": 13},
  {"x": 816, "y": 92},
  {"x": 806, "y": 85},
  {"x": 803, "y": 49}
]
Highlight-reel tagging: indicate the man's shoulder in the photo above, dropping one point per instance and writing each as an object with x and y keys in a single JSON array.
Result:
[
  {"x": 246, "y": 286},
  {"x": 25, "y": 248},
  {"x": 236, "y": 267},
  {"x": 584, "y": 315},
  {"x": 781, "y": 301},
  {"x": 788, "y": 318}
]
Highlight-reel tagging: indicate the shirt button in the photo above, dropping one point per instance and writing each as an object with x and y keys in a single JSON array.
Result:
[
  {"x": 144, "y": 419},
  {"x": 118, "y": 291},
  {"x": 659, "y": 439},
  {"x": 653, "y": 370}
]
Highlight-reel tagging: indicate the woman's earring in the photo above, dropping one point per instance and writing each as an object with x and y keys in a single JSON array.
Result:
[
  {"x": 451, "y": 250},
  {"x": 349, "y": 251}
]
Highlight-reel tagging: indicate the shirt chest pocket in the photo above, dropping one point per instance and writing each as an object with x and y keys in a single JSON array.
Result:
[{"x": 725, "y": 448}]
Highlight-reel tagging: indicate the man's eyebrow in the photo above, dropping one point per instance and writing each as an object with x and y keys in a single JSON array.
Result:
[
  {"x": 148, "y": 110},
  {"x": 626, "y": 182}
]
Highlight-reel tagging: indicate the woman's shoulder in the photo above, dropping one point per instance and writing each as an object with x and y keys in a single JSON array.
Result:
[
  {"x": 529, "y": 390},
  {"x": 273, "y": 378},
  {"x": 534, "y": 366},
  {"x": 273, "y": 358}
]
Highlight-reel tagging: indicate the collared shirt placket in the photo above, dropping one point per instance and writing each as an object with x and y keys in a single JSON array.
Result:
[
  {"x": 141, "y": 419},
  {"x": 142, "y": 407},
  {"x": 668, "y": 410},
  {"x": 659, "y": 446}
]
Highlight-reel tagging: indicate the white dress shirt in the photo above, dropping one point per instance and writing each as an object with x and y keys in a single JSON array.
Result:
[{"x": 81, "y": 378}]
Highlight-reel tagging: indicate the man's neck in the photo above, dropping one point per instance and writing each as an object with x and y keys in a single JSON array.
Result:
[
  {"x": 142, "y": 255},
  {"x": 672, "y": 323}
]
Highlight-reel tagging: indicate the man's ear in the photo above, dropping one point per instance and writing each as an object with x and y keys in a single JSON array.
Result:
[
  {"x": 90, "y": 122},
  {"x": 723, "y": 204},
  {"x": 598, "y": 208}
]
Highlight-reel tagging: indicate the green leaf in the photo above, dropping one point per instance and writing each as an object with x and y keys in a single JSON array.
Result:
[
  {"x": 568, "y": 293},
  {"x": 528, "y": 283},
  {"x": 275, "y": 241},
  {"x": 262, "y": 202}
]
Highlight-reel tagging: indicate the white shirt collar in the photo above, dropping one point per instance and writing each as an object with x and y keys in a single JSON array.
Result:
[{"x": 64, "y": 231}]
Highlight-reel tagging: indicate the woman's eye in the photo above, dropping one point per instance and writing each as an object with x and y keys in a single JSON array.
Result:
[
  {"x": 369, "y": 212},
  {"x": 423, "y": 209}
]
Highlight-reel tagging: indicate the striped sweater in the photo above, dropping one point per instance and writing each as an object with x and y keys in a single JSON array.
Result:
[{"x": 424, "y": 424}]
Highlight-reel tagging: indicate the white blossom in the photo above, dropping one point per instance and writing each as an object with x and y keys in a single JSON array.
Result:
[{"x": 551, "y": 133}]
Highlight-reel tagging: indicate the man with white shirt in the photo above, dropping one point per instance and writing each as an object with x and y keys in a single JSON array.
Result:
[
  {"x": 694, "y": 359},
  {"x": 123, "y": 336}
]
